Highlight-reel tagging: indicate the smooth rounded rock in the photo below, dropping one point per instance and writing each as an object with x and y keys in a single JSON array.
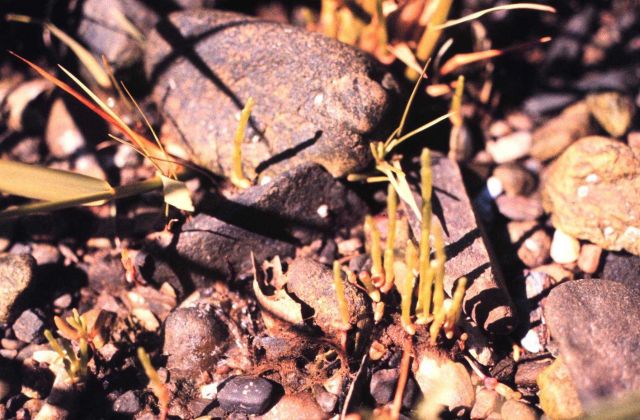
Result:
[
  {"x": 246, "y": 394},
  {"x": 194, "y": 339}
]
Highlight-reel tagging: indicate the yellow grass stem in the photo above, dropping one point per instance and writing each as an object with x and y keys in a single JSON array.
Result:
[
  {"x": 342, "y": 300},
  {"x": 237, "y": 175}
]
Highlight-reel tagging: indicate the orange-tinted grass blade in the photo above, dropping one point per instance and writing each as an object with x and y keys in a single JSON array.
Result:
[
  {"x": 138, "y": 139},
  {"x": 460, "y": 60}
]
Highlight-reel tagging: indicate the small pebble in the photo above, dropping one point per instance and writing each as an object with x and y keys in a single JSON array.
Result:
[
  {"x": 499, "y": 129},
  {"x": 448, "y": 382},
  {"x": 383, "y": 386},
  {"x": 247, "y": 395},
  {"x": 326, "y": 400},
  {"x": 515, "y": 179},
  {"x": 520, "y": 121},
  {"x": 127, "y": 404},
  {"x": 487, "y": 401},
  {"x": 531, "y": 342},
  {"x": 589, "y": 258},
  {"x": 511, "y": 147},
  {"x": 520, "y": 208},
  {"x": 63, "y": 301},
  {"x": 29, "y": 327},
  {"x": 565, "y": 249},
  {"x": 516, "y": 410}
]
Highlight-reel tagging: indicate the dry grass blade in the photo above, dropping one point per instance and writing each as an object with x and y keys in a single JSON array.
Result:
[
  {"x": 48, "y": 184},
  {"x": 89, "y": 61},
  {"x": 107, "y": 116},
  {"x": 85, "y": 57},
  {"x": 476, "y": 15},
  {"x": 395, "y": 142},
  {"x": 126, "y": 25},
  {"x": 403, "y": 53}
]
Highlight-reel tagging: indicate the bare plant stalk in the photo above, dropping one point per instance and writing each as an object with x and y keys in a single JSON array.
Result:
[
  {"x": 405, "y": 365},
  {"x": 411, "y": 258},
  {"x": 389, "y": 252},
  {"x": 342, "y": 300},
  {"x": 426, "y": 273},
  {"x": 237, "y": 175}
]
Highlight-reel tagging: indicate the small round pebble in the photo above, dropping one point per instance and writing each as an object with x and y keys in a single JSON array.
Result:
[
  {"x": 247, "y": 395},
  {"x": 565, "y": 249}
]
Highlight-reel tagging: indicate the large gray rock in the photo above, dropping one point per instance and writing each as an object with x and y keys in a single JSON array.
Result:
[
  {"x": 273, "y": 219},
  {"x": 316, "y": 99},
  {"x": 16, "y": 275},
  {"x": 597, "y": 326}
]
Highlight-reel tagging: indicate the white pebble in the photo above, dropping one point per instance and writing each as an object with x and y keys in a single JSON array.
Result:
[
  {"x": 565, "y": 249},
  {"x": 323, "y": 211},
  {"x": 531, "y": 342},
  {"x": 511, "y": 147},
  {"x": 494, "y": 186}
]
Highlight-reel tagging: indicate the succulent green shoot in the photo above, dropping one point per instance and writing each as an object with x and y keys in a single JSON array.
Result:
[
  {"x": 372, "y": 291},
  {"x": 456, "y": 103},
  {"x": 438, "y": 292},
  {"x": 238, "y": 177},
  {"x": 389, "y": 252},
  {"x": 342, "y": 300},
  {"x": 406, "y": 291},
  {"x": 453, "y": 315},
  {"x": 377, "y": 272},
  {"x": 426, "y": 274}
]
